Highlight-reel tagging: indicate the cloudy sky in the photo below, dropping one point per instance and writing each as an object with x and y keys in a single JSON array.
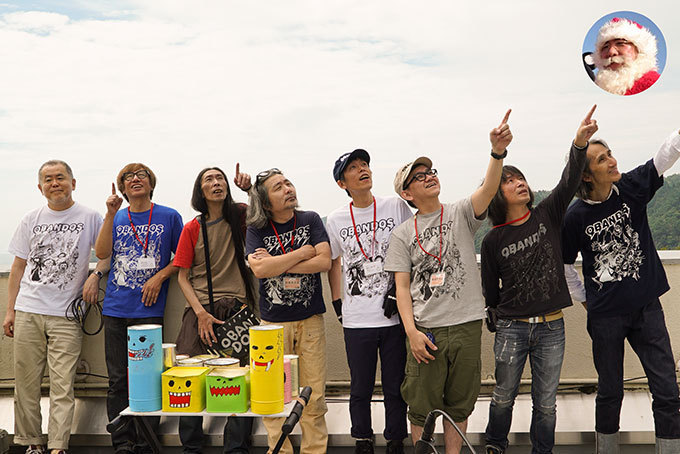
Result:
[{"x": 180, "y": 85}]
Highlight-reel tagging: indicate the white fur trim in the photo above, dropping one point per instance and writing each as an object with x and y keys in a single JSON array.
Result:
[{"x": 620, "y": 28}]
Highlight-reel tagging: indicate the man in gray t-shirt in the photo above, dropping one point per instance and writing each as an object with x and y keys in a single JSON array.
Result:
[{"x": 439, "y": 292}]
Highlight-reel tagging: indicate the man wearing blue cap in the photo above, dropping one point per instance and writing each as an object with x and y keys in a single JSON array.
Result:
[{"x": 359, "y": 233}]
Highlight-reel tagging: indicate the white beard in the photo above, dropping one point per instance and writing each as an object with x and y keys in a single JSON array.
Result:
[{"x": 621, "y": 80}]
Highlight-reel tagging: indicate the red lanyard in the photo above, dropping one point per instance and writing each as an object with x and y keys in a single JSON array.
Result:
[
  {"x": 292, "y": 235},
  {"x": 441, "y": 218},
  {"x": 351, "y": 213},
  {"x": 512, "y": 222},
  {"x": 148, "y": 228}
]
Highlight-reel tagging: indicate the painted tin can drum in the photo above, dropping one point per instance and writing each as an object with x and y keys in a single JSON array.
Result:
[
  {"x": 266, "y": 369},
  {"x": 145, "y": 366}
]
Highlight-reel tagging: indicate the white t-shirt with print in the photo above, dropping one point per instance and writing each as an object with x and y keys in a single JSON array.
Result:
[
  {"x": 458, "y": 299},
  {"x": 56, "y": 246},
  {"x": 364, "y": 292}
]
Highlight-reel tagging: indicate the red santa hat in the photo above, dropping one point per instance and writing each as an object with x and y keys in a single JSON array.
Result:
[{"x": 622, "y": 28}]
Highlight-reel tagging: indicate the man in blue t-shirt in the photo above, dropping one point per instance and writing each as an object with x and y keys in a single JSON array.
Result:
[
  {"x": 287, "y": 249},
  {"x": 140, "y": 240},
  {"x": 624, "y": 279}
]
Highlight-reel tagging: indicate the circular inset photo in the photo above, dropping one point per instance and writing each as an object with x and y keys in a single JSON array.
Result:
[{"x": 624, "y": 53}]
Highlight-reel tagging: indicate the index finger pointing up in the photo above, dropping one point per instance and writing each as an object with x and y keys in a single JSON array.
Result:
[
  {"x": 113, "y": 188},
  {"x": 590, "y": 114},
  {"x": 237, "y": 169},
  {"x": 505, "y": 118}
]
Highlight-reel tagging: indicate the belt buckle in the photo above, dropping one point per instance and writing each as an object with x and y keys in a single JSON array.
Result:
[{"x": 536, "y": 319}]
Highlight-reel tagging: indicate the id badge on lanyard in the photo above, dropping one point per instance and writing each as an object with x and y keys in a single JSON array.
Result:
[
  {"x": 437, "y": 279},
  {"x": 146, "y": 263},
  {"x": 371, "y": 268},
  {"x": 292, "y": 283}
]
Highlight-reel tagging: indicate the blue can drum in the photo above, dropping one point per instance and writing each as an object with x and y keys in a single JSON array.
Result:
[{"x": 145, "y": 367}]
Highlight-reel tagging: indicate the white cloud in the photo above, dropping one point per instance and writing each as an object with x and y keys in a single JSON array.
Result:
[{"x": 180, "y": 85}]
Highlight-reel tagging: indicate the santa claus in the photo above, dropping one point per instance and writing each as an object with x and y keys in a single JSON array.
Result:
[{"x": 625, "y": 56}]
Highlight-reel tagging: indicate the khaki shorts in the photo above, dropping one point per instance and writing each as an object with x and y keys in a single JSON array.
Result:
[{"x": 452, "y": 380}]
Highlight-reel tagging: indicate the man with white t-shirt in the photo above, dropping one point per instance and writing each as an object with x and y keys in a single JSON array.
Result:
[
  {"x": 359, "y": 233},
  {"x": 51, "y": 249}
]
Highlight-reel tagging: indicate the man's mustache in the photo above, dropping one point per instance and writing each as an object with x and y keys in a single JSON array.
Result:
[{"x": 615, "y": 59}]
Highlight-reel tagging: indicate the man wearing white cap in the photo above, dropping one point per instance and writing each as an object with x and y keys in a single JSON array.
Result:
[
  {"x": 625, "y": 57},
  {"x": 439, "y": 291}
]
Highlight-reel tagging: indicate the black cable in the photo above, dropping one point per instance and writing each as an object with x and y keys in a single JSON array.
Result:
[{"x": 78, "y": 310}]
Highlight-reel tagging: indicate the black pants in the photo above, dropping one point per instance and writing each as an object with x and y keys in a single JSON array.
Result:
[
  {"x": 363, "y": 346},
  {"x": 236, "y": 434},
  {"x": 125, "y": 437},
  {"x": 646, "y": 332}
]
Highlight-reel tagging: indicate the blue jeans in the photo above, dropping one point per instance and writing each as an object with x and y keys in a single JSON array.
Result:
[
  {"x": 543, "y": 343},
  {"x": 646, "y": 332}
]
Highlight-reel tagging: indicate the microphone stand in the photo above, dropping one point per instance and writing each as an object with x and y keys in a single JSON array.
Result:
[{"x": 426, "y": 443}]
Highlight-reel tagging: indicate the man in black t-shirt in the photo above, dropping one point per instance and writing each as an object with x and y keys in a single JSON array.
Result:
[
  {"x": 624, "y": 279},
  {"x": 287, "y": 250},
  {"x": 523, "y": 281}
]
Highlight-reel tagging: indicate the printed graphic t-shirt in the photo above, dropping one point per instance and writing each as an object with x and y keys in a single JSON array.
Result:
[
  {"x": 276, "y": 303},
  {"x": 621, "y": 268},
  {"x": 459, "y": 299},
  {"x": 226, "y": 276},
  {"x": 522, "y": 270},
  {"x": 126, "y": 278},
  {"x": 363, "y": 293},
  {"x": 56, "y": 246}
]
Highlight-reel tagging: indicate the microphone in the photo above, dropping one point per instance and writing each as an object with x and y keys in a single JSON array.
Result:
[
  {"x": 426, "y": 443},
  {"x": 295, "y": 414}
]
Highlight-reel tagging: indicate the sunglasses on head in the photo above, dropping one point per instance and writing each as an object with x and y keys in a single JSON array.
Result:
[{"x": 262, "y": 176}]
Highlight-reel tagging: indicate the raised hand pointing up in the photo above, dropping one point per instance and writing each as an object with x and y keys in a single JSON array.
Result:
[
  {"x": 113, "y": 202},
  {"x": 501, "y": 136},
  {"x": 242, "y": 180},
  {"x": 586, "y": 129}
]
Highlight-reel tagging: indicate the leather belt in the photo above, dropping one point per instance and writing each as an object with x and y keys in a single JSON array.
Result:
[{"x": 542, "y": 318}]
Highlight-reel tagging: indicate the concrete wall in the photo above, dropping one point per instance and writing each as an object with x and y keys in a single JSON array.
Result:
[{"x": 577, "y": 364}]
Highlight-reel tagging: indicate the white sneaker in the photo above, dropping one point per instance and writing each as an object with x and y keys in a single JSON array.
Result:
[{"x": 35, "y": 449}]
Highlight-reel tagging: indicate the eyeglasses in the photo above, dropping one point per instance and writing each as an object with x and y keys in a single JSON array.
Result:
[
  {"x": 141, "y": 174},
  {"x": 262, "y": 176},
  {"x": 618, "y": 43},
  {"x": 421, "y": 176}
]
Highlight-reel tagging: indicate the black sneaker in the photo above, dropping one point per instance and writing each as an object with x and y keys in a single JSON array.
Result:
[
  {"x": 395, "y": 447},
  {"x": 491, "y": 449},
  {"x": 363, "y": 447}
]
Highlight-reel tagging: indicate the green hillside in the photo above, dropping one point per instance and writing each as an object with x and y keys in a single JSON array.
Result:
[{"x": 663, "y": 212}]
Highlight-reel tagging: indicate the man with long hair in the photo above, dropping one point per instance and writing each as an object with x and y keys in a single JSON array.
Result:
[
  {"x": 224, "y": 221},
  {"x": 140, "y": 240},
  {"x": 287, "y": 249},
  {"x": 624, "y": 279},
  {"x": 523, "y": 282}
]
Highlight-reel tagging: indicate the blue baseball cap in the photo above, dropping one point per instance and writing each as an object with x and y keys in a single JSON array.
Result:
[{"x": 345, "y": 159}]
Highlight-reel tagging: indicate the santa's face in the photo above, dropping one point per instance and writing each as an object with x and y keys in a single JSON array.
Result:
[{"x": 617, "y": 53}]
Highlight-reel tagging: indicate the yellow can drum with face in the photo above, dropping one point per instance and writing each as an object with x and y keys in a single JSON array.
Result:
[{"x": 266, "y": 369}]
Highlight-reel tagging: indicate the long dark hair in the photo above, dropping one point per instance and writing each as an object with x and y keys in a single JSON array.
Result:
[
  {"x": 235, "y": 214},
  {"x": 498, "y": 208}
]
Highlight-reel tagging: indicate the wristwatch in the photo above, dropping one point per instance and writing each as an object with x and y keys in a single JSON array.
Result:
[
  {"x": 499, "y": 156},
  {"x": 98, "y": 273}
]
